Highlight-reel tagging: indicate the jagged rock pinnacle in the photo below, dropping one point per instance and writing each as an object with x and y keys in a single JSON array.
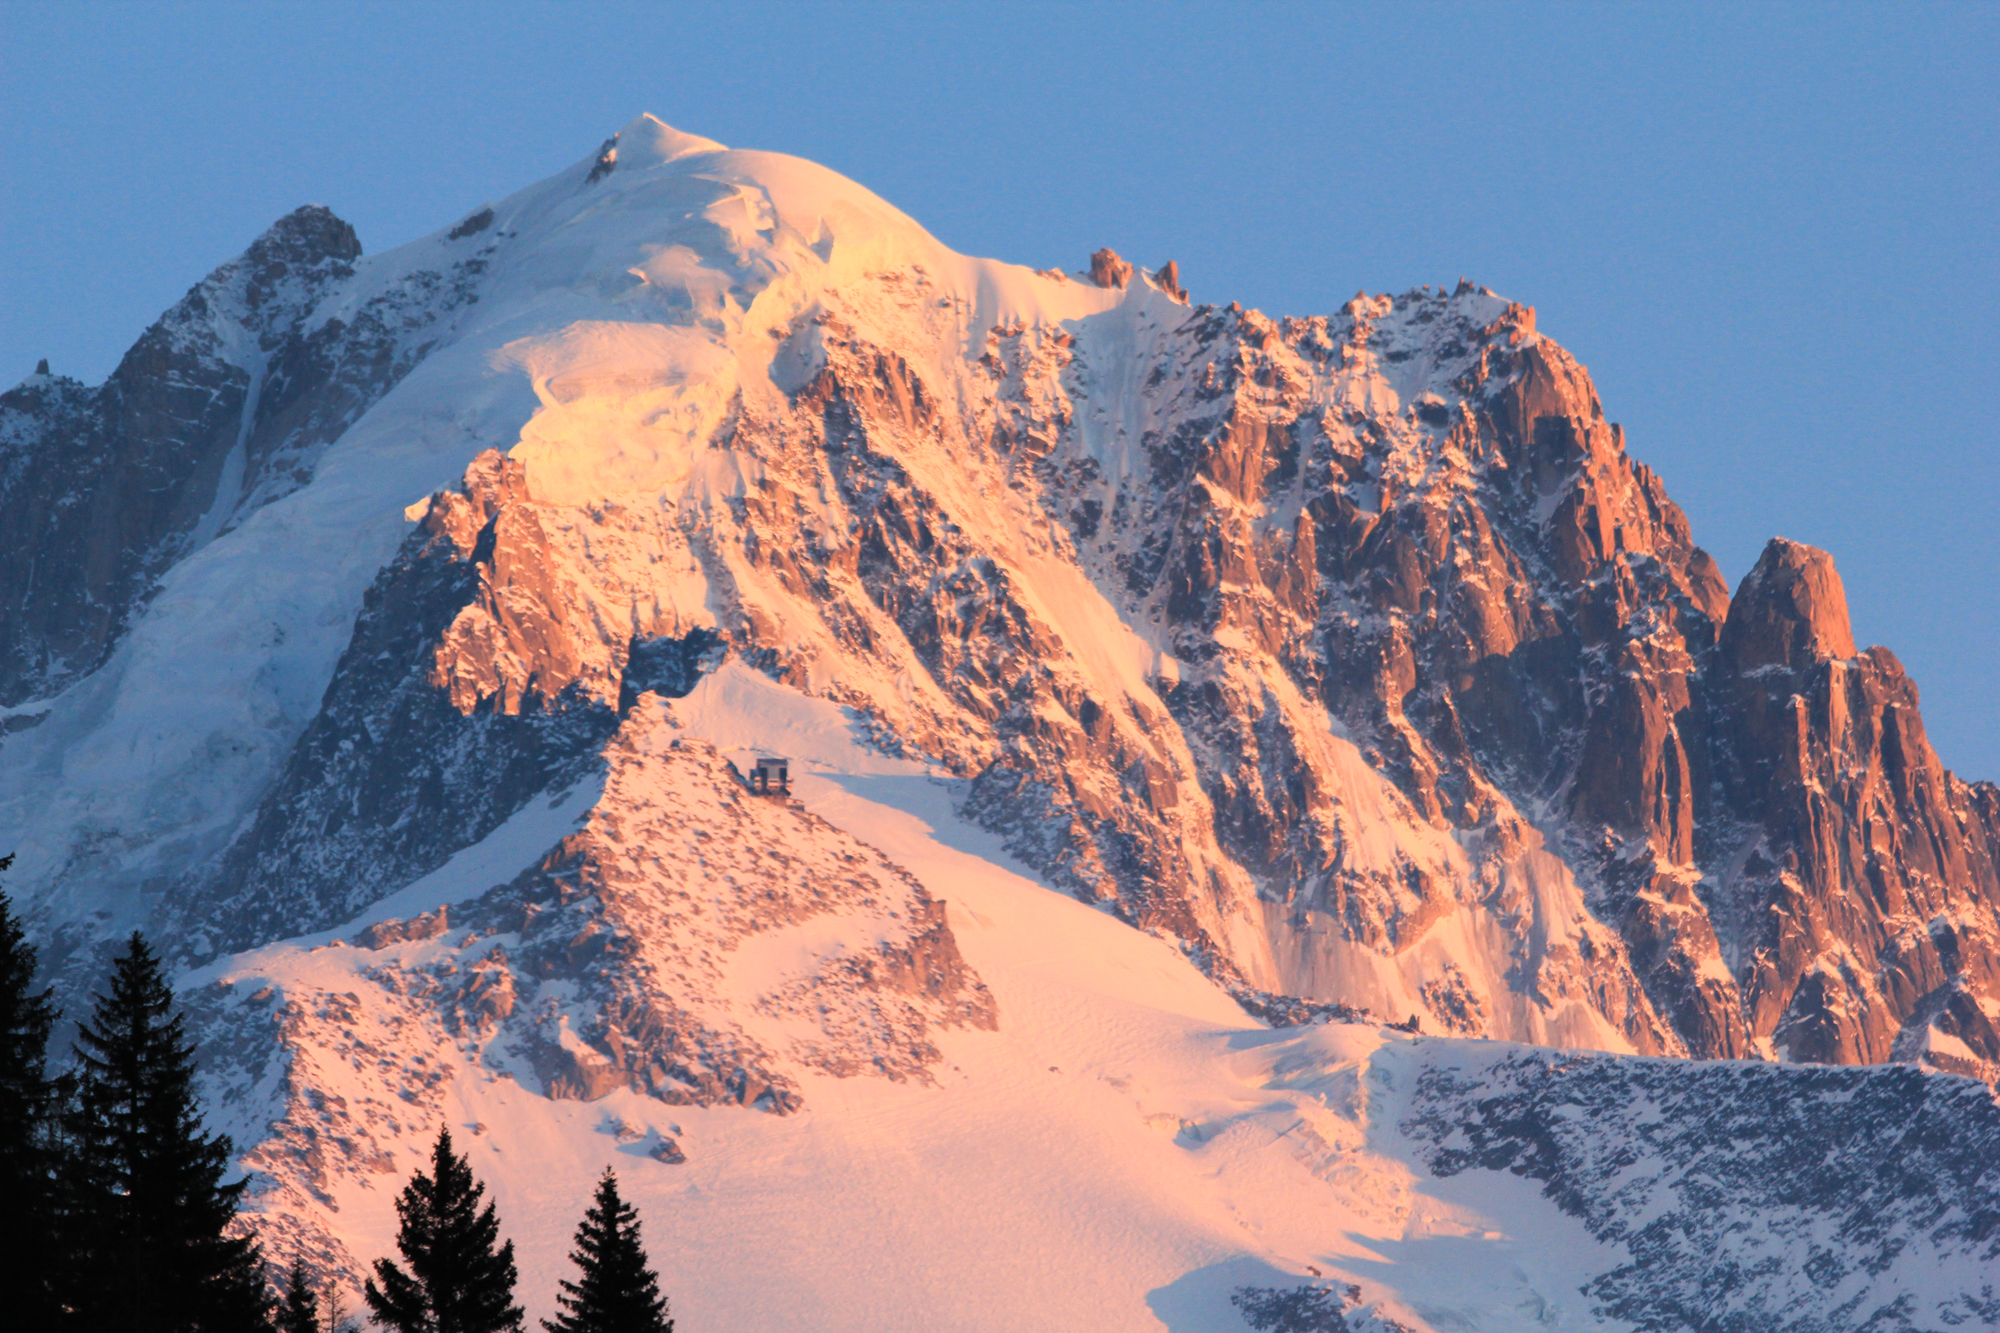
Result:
[
  {"x": 1108, "y": 270},
  {"x": 1790, "y": 610}
]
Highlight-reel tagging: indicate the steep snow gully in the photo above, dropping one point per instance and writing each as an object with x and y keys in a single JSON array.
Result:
[{"x": 1173, "y": 698}]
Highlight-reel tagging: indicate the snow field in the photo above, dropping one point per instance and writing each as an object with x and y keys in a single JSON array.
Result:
[{"x": 1125, "y": 1150}]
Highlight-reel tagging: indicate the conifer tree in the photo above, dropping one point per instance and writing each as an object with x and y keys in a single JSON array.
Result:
[
  {"x": 616, "y": 1290},
  {"x": 147, "y": 1216},
  {"x": 459, "y": 1280},
  {"x": 298, "y": 1307},
  {"x": 28, "y": 1103}
]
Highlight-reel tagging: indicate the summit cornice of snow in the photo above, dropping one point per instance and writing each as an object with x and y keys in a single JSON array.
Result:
[{"x": 650, "y": 142}]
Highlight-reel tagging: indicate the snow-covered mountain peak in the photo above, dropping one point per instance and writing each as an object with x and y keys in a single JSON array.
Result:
[
  {"x": 649, "y": 141},
  {"x": 668, "y": 293},
  {"x": 1350, "y": 657}
]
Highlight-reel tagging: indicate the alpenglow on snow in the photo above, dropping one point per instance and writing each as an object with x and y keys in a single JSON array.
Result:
[{"x": 1171, "y": 698}]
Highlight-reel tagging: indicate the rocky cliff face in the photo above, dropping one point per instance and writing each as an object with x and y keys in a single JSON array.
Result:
[
  {"x": 682, "y": 939},
  {"x": 222, "y": 406},
  {"x": 102, "y": 490},
  {"x": 1354, "y": 652},
  {"x": 1866, "y": 879},
  {"x": 1631, "y": 1149}
]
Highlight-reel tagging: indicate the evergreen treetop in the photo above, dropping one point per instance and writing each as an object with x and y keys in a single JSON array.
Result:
[
  {"x": 28, "y": 1102},
  {"x": 298, "y": 1307},
  {"x": 460, "y": 1280},
  {"x": 147, "y": 1215},
  {"x": 616, "y": 1291},
  {"x": 26, "y": 1019}
]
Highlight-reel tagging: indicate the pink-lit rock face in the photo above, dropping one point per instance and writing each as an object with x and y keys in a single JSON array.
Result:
[
  {"x": 1108, "y": 270},
  {"x": 1791, "y": 611},
  {"x": 1404, "y": 583}
]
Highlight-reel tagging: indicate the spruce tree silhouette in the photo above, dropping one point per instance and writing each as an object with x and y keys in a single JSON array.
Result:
[
  {"x": 458, "y": 1280},
  {"x": 615, "y": 1291},
  {"x": 298, "y": 1307},
  {"x": 147, "y": 1215},
  {"x": 28, "y": 1103}
]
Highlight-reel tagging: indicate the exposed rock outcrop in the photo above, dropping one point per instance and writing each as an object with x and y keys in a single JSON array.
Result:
[
  {"x": 1866, "y": 878},
  {"x": 222, "y": 406},
  {"x": 101, "y": 490},
  {"x": 1790, "y": 612},
  {"x": 1108, "y": 270},
  {"x": 1633, "y": 1149},
  {"x": 1391, "y": 633}
]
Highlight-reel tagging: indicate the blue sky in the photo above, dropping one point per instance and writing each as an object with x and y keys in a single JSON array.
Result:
[{"x": 1768, "y": 231}]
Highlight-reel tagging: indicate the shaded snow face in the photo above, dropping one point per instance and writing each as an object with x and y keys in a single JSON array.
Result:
[{"x": 1736, "y": 1191}]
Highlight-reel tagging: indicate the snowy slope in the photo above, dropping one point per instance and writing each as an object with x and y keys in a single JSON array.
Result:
[{"x": 1126, "y": 1149}]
